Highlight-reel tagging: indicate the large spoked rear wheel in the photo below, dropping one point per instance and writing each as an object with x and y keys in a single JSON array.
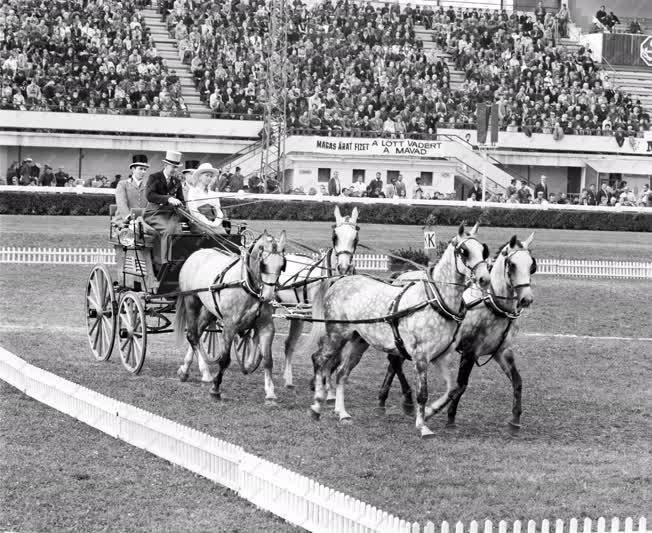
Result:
[
  {"x": 247, "y": 351},
  {"x": 132, "y": 332},
  {"x": 209, "y": 340},
  {"x": 100, "y": 312}
]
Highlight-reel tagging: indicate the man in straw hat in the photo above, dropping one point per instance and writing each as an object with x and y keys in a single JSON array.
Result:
[
  {"x": 164, "y": 194},
  {"x": 131, "y": 193}
]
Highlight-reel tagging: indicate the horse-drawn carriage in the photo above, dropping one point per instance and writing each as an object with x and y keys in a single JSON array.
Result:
[{"x": 133, "y": 300}]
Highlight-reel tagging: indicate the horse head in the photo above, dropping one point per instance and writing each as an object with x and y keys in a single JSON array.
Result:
[
  {"x": 471, "y": 255},
  {"x": 518, "y": 265},
  {"x": 265, "y": 264},
  {"x": 345, "y": 239}
]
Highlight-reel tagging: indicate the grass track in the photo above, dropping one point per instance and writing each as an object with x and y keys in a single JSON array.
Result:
[
  {"x": 78, "y": 479},
  {"x": 584, "y": 450},
  {"x": 43, "y": 231}
]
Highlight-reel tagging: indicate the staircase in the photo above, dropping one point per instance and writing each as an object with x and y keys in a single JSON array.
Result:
[
  {"x": 167, "y": 50},
  {"x": 429, "y": 46},
  {"x": 638, "y": 83}
]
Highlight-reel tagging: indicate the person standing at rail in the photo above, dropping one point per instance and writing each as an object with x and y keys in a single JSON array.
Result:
[{"x": 164, "y": 194}]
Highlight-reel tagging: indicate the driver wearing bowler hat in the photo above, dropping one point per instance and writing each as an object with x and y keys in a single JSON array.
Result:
[{"x": 164, "y": 194}]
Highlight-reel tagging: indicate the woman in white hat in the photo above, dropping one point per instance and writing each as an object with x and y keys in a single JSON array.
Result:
[{"x": 201, "y": 200}]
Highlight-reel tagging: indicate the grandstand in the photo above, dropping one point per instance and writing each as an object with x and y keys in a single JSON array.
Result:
[{"x": 384, "y": 71}]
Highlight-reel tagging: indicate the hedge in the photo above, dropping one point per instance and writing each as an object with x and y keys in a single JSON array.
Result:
[{"x": 34, "y": 203}]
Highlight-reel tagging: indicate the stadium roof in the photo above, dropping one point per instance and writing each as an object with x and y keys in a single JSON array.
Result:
[{"x": 620, "y": 166}]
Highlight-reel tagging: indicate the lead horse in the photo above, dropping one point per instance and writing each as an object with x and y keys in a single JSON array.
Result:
[
  {"x": 235, "y": 291},
  {"x": 301, "y": 279},
  {"x": 489, "y": 326},
  {"x": 417, "y": 322}
]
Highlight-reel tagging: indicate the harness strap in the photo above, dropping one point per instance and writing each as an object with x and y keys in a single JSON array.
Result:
[
  {"x": 393, "y": 321},
  {"x": 500, "y": 345},
  {"x": 444, "y": 311},
  {"x": 217, "y": 286}
]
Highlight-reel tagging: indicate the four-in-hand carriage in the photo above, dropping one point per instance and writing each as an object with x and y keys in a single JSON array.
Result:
[{"x": 134, "y": 301}]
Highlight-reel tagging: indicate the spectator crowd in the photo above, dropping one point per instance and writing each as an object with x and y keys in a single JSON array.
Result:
[
  {"x": 359, "y": 70},
  {"x": 28, "y": 173},
  {"x": 85, "y": 56},
  {"x": 351, "y": 69}
]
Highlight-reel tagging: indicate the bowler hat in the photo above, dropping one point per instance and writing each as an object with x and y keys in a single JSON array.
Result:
[
  {"x": 139, "y": 160},
  {"x": 191, "y": 165}
]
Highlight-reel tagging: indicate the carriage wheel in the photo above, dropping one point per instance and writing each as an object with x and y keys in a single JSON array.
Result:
[
  {"x": 247, "y": 352},
  {"x": 132, "y": 332},
  {"x": 209, "y": 340},
  {"x": 100, "y": 312}
]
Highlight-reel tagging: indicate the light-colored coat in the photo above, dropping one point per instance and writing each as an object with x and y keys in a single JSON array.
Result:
[{"x": 129, "y": 195}]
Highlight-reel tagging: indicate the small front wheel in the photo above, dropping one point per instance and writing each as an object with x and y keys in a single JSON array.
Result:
[{"x": 132, "y": 332}]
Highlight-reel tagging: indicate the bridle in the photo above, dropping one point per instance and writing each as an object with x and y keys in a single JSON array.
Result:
[
  {"x": 509, "y": 264},
  {"x": 350, "y": 253},
  {"x": 457, "y": 251},
  {"x": 248, "y": 283}
]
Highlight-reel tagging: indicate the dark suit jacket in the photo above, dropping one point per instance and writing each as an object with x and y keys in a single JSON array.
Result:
[
  {"x": 158, "y": 191},
  {"x": 334, "y": 188}
]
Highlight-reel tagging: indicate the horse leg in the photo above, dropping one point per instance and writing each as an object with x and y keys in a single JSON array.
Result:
[
  {"x": 421, "y": 368},
  {"x": 206, "y": 318},
  {"x": 328, "y": 350},
  {"x": 386, "y": 386},
  {"x": 442, "y": 365},
  {"x": 296, "y": 327},
  {"x": 184, "y": 369},
  {"x": 505, "y": 358},
  {"x": 193, "y": 307},
  {"x": 265, "y": 335},
  {"x": 406, "y": 390},
  {"x": 356, "y": 348},
  {"x": 466, "y": 366},
  {"x": 225, "y": 342},
  {"x": 332, "y": 368}
]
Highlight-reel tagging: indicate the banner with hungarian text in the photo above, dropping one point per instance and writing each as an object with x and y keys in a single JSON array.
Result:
[{"x": 377, "y": 147}]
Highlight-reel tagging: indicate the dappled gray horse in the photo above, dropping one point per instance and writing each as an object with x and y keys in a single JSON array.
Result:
[
  {"x": 417, "y": 322},
  {"x": 489, "y": 326}
]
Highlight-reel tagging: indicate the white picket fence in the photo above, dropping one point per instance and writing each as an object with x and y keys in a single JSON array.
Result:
[
  {"x": 368, "y": 262},
  {"x": 297, "y": 499},
  {"x": 57, "y": 256}
]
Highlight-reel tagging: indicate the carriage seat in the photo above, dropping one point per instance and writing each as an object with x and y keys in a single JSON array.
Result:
[{"x": 146, "y": 241}]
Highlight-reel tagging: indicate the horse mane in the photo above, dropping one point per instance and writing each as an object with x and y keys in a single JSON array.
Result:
[{"x": 518, "y": 244}]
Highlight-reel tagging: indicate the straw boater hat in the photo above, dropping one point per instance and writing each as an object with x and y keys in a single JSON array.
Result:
[
  {"x": 205, "y": 168},
  {"x": 172, "y": 158},
  {"x": 139, "y": 160}
]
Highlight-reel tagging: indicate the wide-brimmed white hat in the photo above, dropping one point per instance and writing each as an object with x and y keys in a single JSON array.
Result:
[
  {"x": 205, "y": 168},
  {"x": 172, "y": 158}
]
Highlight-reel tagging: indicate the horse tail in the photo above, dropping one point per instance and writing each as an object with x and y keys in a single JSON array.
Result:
[
  {"x": 180, "y": 320},
  {"x": 318, "y": 328}
]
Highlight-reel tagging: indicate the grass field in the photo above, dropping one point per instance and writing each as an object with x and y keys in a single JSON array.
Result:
[
  {"x": 584, "y": 449},
  {"x": 43, "y": 231},
  {"x": 78, "y": 479}
]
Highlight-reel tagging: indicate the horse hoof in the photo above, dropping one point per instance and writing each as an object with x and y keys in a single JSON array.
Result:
[
  {"x": 269, "y": 402},
  {"x": 451, "y": 425},
  {"x": 215, "y": 394},
  {"x": 290, "y": 386},
  {"x": 426, "y": 433},
  {"x": 514, "y": 429},
  {"x": 408, "y": 409},
  {"x": 330, "y": 401},
  {"x": 314, "y": 414},
  {"x": 346, "y": 421},
  {"x": 380, "y": 410},
  {"x": 183, "y": 376}
]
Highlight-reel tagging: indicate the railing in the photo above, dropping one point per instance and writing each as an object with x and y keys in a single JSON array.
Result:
[
  {"x": 368, "y": 262},
  {"x": 297, "y": 499}
]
